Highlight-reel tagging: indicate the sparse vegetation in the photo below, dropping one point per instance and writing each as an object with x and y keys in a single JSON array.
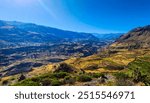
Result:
[
  {"x": 60, "y": 74},
  {"x": 97, "y": 75},
  {"x": 140, "y": 69},
  {"x": 69, "y": 80},
  {"x": 27, "y": 82},
  {"x": 123, "y": 79},
  {"x": 46, "y": 82},
  {"x": 84, "y": 78},
  {"x": 56, "y": 82}
]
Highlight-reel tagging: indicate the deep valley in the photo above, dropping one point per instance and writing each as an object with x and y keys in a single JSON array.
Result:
[{"x": 33, "y": 55}]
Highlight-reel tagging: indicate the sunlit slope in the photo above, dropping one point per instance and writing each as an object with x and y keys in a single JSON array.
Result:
[{"x": 113, "y": 66}]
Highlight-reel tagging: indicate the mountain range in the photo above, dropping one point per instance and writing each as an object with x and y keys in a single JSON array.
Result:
[
  {"x": 23, "y": 34},
  {"x": 124, "y": 62},
  {"x": 12, "y": 32},
  {"x": 108, "y": 37}
]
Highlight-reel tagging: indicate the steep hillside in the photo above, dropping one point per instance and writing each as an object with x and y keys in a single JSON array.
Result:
[{"x": 135, "y": 39}]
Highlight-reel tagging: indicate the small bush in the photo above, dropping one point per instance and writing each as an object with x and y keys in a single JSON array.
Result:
[
  {"x": 60, "y": 74},
  {"x": 46, "y": 82},
  {"x": 5, "y": 82},
  {"x": 147, "y": 81},
  {"x": 64, "y": 67},
  {"x": 84, "y": 78},
  {"x": 56, "y": 82},
  {"x": 97, "y": 75},
  {"x": 82, "y": 71},
  {"x": 69, "y": 80},
  {"x": 36, "y": 79},
  {"x": 137, "y": 75},
  {"x": 22, "y": 77},
  {"x": 67, "y": 77},
  {"x": 121, "y": 75}
]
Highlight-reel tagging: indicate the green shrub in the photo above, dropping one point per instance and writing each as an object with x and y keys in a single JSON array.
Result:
[
  {"x": 140, "y": 69},
  {"x": 69, "y": 80},
  {"x": 67, "y": 77},
  {"x": 27, "y": 82},
  {"x": 36, "y": 79},
  {"x": 147, "y": 81},
  {"x": 139, "y": 77},
  {"x": 97, "y": 75},
  {"x": 121, "y": 75},
  {"x": 84, "y": 78},
  {"x": 142, "y": 64},
  {"x": 56, "y": 82},
  {"x": 60, "y": 74},
  {"x": 46, "y": 82}
]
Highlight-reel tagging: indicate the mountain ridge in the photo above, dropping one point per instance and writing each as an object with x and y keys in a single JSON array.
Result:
[
  {"x": 134, "y": 39},
  {"x": 28, "y": 32}
]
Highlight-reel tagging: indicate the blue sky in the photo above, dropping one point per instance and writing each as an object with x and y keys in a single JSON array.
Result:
[{"x": 96, "y": 16}]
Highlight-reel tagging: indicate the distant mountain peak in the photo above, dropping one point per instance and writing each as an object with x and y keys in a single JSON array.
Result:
[{"x": 108, "y": 36}]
